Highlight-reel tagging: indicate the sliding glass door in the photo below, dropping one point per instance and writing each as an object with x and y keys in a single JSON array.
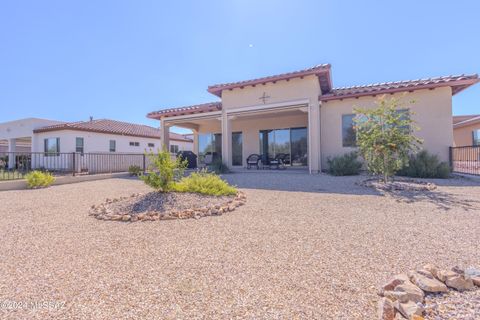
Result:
[
  {"x": 237, "y": 146},
  {"x": 290, "y": 143},
  {"x": 209, "y": 144}
]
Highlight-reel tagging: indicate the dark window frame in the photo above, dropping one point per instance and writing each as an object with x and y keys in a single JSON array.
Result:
[
  {"x": 56, "y": 153},
  {"x": 80, "y": 149},
  {"x": 114, "y": 149},
  {"x": 176, "y": 148},
  {"x": 347, "y": 143}
]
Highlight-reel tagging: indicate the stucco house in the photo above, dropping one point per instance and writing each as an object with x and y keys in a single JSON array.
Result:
[
  {"x": 301, "y": 114},
  {"x": 466, "y": 130}
]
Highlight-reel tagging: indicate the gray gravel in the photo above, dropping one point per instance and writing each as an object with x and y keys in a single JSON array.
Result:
[{"x": 302, "y": 247}]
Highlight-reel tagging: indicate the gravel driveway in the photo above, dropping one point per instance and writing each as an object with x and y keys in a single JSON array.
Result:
[{"x": 313, "y": 247}]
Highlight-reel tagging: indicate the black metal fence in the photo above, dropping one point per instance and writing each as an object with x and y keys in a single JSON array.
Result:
[
  {"x": 465, "y": 159},
  {"x": 14, "y": 165}
]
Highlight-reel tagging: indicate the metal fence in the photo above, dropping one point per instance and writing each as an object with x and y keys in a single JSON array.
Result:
[
  {"x": 465, "y": 159},
  {"x": 14, "y": 165}
]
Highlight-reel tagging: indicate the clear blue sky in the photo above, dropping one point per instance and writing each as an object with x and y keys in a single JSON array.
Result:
[{"x": 68, "y": 60}]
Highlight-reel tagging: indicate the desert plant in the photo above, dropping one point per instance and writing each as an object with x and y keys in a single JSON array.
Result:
[
  {"x": 205, "y": 183},
  {"x": 38, "y": 179},
  {"x": 219, "y": 167},
  {"x": 344, "y": 165},
  {"x": 385, "y": 136},
  {"x": 425, "y": 165},
  {"x": 164, "y": 171},
  {"x": 134, "y": 170}
]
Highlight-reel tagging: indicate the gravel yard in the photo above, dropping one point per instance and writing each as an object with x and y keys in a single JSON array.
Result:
[{"x": 313, "y": 247}]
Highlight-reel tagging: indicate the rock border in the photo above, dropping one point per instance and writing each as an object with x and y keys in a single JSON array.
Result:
[
  {"x": 403, "y": 296},
  {"x": 100, "y": 211},
  {"x": 399, "y": 184}
]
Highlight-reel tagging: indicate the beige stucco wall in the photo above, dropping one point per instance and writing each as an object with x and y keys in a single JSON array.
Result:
[
  {"x": 433, "y": 114},
  {"x": 281, "y": 91},
  {"x": 463, "y": 136}
]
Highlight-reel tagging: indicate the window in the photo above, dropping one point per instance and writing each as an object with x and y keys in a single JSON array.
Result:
[
  {"x": 173, "y": 148},
  {"x": 113, "y": 146},
  {"x": 237, "y": 143},
  {"x": 134, "y": 144},
  {"x": 51, "y": 146},
  {"x": 476, "y": 137},
  {"x": 209, "y": 144},
  {"x": 349, "y": 138},
  {"x": 290, "y": 142},
  {"x": 151, "y": 145},
  {"x": 79, "y": 144}
]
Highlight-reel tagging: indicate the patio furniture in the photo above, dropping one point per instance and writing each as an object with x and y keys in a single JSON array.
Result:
[
  {"x": 208, "y": 159},
  {"x": 252, "y": 161},
  {"x": 278, "y": 162}
]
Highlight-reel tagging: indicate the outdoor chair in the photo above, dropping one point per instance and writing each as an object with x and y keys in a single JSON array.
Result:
[
  {"x": 208, "y": 159},
  {"x": 278, "y": 162},
  {"x": 252, "y": 161}
]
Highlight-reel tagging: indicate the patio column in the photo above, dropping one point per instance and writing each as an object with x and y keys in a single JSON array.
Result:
[
  {"x": 314, "y": 157},
  {"x": 12, "y": 146},
  {"x": 226, "y": 138},
  {"x": 195, "y": 141},
  {"x": 164, "y": 135}
]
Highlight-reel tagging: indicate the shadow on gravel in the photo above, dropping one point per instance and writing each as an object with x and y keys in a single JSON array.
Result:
[{"x": 441, "y": 200}]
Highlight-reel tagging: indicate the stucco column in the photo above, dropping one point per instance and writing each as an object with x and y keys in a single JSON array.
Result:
[
  {"x": 195, "y": 142},
  {"x": 12, "y": 146},
  {"x": 164, "y": 135},
  {"x": 226, "y": 138},
  {"x": 314, "y": 157}
]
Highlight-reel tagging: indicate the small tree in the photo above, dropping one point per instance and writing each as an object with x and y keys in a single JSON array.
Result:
[
  {"x": 164, "y": 171},
  {"x": 385, "y": 136}
]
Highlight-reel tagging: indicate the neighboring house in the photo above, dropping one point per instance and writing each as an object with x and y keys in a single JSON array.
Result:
[
  {"x": 94, "y": 136},
  {"x": 301, "y": 116},
  {"x": 466, "y": 130},
  {"x": 100, "y": 135}
]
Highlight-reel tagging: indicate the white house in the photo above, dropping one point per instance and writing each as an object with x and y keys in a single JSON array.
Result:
[{"x": 48, "y": 141}]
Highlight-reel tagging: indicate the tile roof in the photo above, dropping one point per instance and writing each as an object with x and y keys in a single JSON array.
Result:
[
  {"x": 458, "y": 83},
  {"x": 111, "y": 127},
  {"x": 457, "y": 119},
  {"x": 461, "y": 121},
  {"x": 316, "y": 70},
  {"x": 198, "y": 108}
]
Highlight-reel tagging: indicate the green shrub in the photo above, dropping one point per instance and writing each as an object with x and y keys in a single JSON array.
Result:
[
  {"x": 134, "y": 170},
  {"x": 345, "y": 165},
  {"x": 205, "y": 183},
  {"x": 219, "y": 167},
  {"x": 38, "y": 179},
  {"x": 425, "y": 165},
  {"x": 164, "y": 171}
]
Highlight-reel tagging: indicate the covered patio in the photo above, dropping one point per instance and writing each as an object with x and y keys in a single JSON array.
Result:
[{"x": 273, "y": 132}]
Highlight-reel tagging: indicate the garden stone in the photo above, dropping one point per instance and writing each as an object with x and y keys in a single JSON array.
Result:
[
  {"x": 427, "y": 284},
  {"x": 460, "y": 283},
  {"x": 395, "y": 281},
  {"x": 476, "y": 280},
  {"x": 412, "y": 292},
  {"x": 443, "y": 275},
  {"x": 126, "y": 217},
  {"x": 396, "y": 295},
  {"x": 409, "y": 309},
  {"x": 134, "y": 219},
  {"x": 386, "y": 311}
]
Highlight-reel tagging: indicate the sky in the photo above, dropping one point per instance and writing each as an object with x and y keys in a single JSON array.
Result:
[{"x": 68, "y": 60}]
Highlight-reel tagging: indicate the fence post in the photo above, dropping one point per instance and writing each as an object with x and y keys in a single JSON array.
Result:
[
  {"x": 144, "y": 164},
  {"x": 74, "y": 167},
  {"x": 450, "y": 157}
]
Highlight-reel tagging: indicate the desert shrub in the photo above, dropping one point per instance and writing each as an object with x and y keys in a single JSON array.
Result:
[
  {"x": 38, "y": 179},
  {"x": 219, "y": 167},
  {"x": 164, "y": 171},
  {"x": 205, "y": 183},
  {"x": 344, "y": 165},
  {"x": 425, "y": 165},
  {"x": 134, "y": 170},
  {"x": 385, "y": 136}
]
